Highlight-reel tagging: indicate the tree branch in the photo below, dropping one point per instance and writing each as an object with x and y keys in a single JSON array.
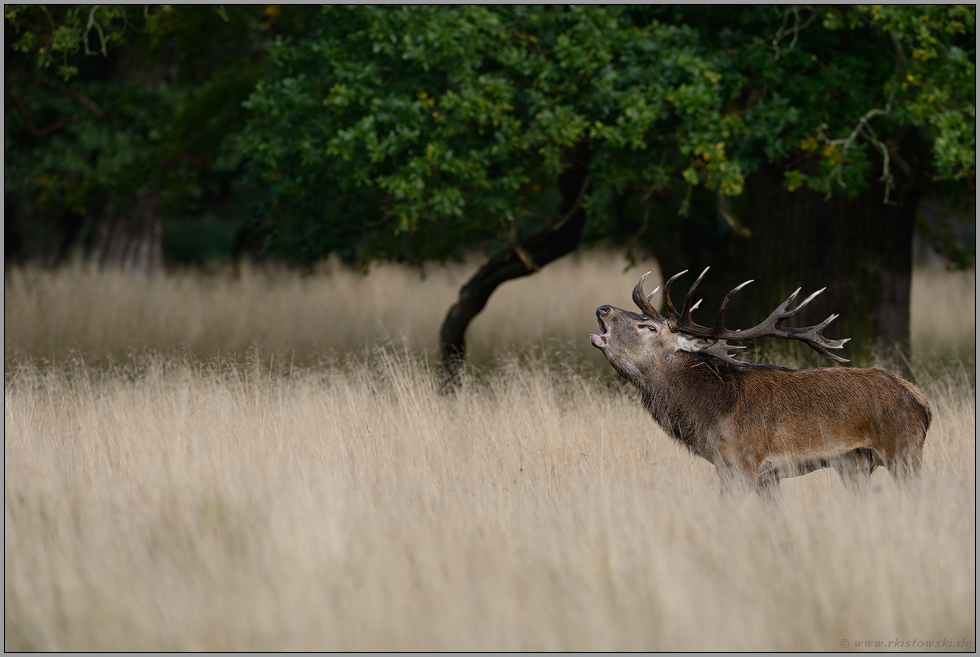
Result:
[
  {"x": 797, "y": 28},
  {"x": 88, "y": 28},
  {"x": 89, "y": 104},
  {"x": 864, "y": 129},
  {"x": 523, "y": 253},
  {"x": 521, "y": 258},
  {"x": 576, "y": 205},
  {"x": 846, "y": 143},
  {"x": 31, "y": 128},
  {"x": 725, "y": 210}
]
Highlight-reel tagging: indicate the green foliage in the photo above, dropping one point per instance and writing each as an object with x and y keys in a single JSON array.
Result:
[
  {"x": 851, "y": 82},
  {"x": 939, "y": 86},
  {"x": 51, "y": 35},
  {"x": 412, "y": 132},
  {"x": 150, "y": 106},
  {"x": 408, "y": 132}
]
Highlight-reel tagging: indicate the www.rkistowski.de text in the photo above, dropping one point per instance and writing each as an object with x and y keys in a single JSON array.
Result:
[{"x": 966, "y": 644}]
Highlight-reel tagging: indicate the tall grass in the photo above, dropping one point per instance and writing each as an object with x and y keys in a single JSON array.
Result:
[
  {"x": 181, "y": 505},
  {"x": 170, "y": 501}
]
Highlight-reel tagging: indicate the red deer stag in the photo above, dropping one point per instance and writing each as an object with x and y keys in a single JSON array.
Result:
[{"x": 760, "y": 423}]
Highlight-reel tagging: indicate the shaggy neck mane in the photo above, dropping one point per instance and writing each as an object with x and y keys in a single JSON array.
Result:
[{"x": 686, "y": 392}]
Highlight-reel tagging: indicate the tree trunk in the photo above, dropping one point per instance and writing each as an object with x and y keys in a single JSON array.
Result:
[
  {"x": 531, "y": 254},
  {"x": 860, "y": 249},
  {"x": 133, "y": 243}
]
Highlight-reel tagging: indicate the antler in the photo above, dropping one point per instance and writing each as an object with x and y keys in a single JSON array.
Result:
[
  {"x": 643, "y": 300},
  {"x": 771, "y": 327}
]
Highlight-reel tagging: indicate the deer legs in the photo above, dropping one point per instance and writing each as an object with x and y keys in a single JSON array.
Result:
[{"x": 854, "y": 468}]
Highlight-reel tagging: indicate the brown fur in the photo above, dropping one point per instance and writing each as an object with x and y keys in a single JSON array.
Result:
[{"x": 760, "y": 423}]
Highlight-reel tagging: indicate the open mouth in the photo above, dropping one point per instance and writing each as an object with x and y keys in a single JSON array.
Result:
[{"x": 601, "y": 340}]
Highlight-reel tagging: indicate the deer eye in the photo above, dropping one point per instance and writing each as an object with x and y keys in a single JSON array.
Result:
[{"x": 650, "y": 327}]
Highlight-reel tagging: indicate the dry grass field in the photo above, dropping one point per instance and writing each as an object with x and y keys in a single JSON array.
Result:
[
  {"x": 109, "y": 315},
  {"x": 282, "y": 482}
]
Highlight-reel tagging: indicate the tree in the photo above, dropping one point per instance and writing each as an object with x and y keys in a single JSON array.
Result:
[
  {"x": 416, "y": 133},
  {"x": 118, "y": 116},
  {"x": 851, "y": 116},
  {"x": 420, "y": 133}
]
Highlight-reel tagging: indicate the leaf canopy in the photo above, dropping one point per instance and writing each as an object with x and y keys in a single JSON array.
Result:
[
  {"x": 405, "y": 132},
  {"x": 414, "y": 132}
]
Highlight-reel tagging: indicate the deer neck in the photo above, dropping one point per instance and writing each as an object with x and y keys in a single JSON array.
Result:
[{"x": 688, "y": 395}]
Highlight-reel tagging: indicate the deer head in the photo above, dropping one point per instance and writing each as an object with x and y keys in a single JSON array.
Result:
[{"x": 645, "y": 340}]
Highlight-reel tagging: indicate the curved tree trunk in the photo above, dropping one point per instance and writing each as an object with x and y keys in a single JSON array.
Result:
[{"x": 531, "y": 254}]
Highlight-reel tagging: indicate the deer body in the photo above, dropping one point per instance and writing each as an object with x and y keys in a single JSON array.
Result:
[{"x": 760, "y": 423}]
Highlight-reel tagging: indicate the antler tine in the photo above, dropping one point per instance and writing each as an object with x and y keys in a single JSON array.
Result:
[
  {"x": 783, "y": 307},
  {"x": 823, "y": 352},
  {"x": 813, "y": 333},
  {"x": 720, "y": 351},
  {"x": 667, "y": 302},
  {"x": 720, "y": 317},
  {"x": 687, "y": 309},
  {"x": 804, "y": 302},
  {"x": 776, "y": 316},
  {"x": 643, "y": 301},
  {"x": 830, "y": 344}
]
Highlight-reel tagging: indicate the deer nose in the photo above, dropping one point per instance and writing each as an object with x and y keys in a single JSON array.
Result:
[{"x": 602, "y": 310}]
